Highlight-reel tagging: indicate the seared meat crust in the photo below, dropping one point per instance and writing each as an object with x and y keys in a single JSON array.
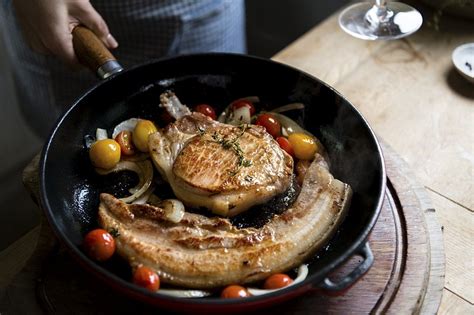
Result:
[
  {"x": 224, "y": 168},
  {"x": 203, "y": 252}
]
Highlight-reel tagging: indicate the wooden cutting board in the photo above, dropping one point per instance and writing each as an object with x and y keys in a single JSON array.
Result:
[{"x": 407, "y": 275}]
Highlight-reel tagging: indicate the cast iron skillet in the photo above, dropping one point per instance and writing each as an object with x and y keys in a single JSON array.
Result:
[{"x": 70, "y": 188}]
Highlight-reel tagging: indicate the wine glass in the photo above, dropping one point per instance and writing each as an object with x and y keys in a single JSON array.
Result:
[{"x": 382, "y": 20}]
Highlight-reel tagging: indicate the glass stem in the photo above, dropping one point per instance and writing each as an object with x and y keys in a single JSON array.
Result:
[{"x": 379, "y": 13}]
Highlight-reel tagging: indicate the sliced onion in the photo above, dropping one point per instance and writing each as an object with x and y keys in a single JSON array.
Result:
[
  {"x": 154, "y": 200},
  {"x": 288, "y": 107},
  {"x": 302, "y": 274},
  {"x": 145, "y": 197},
  {"x": 121, "y": 166},
  {"x": 239, "y": 116},
  {"x": 174, "y": 209},
  {"x": 144, "y": 171},
  {"x": 253, "y": 99},
  {"x": 147, "y": 176},
  {"x": 137, "y": 157},
  {"x": 128, "y": 124},
  {"x": 88, "y": 141},
  {"x": 101, "y": 134},
  {"x": 289, "y": 125},
  {"x": 184, "y": 293},
  {"x": 224, "y": 117}
]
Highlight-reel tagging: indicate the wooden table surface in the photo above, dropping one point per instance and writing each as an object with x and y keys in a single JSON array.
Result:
[
  {"x": 413, "y": 98},
  {"x": 411, "y": 95}
]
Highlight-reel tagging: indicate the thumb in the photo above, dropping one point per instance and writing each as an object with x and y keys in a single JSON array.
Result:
[{"x": 89, "y": 17}]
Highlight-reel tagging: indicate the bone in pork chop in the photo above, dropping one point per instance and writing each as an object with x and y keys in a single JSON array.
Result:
[{"x": 226, "y": 169}]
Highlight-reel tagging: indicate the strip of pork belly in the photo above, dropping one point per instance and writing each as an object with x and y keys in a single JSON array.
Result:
[{"x": 202, "y": 252}]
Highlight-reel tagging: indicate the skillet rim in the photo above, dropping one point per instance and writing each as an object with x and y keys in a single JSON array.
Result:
[{"x": 137, "y": 292}]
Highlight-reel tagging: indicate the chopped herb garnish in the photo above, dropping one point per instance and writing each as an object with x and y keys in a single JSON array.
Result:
[
  {"x": 233, "y": 144},
  {"x": 246, "y": 163},
  {"x": 201, "y": 131},
  {"x": 114, "y": 232}
]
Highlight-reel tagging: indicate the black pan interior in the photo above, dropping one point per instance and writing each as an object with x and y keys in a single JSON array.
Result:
[{"x": 70, "y": 188}]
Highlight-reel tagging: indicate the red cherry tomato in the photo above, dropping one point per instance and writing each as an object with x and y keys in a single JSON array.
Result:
[
  {"x": 234, "y": 291},
  {"x": 286, "y": 145},
  {"x": 124, "y": 139},
  {"x": 99, "y": 245},
  {"x": 272, "y": 125},
  {"x": 206, "y": 110},
  {"x": 146, "y": 278},
  {"x": 241, "y": 103},
  {"x": 277, "y": 281}
]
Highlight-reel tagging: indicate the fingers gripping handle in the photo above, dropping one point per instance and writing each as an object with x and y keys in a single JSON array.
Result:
[{"x": 93, "y": 54}]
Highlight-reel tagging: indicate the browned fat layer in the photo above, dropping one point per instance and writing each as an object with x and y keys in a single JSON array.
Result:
[
  {"x": 254, "y": 257},
  {"x": 118, "y": 208},
  {"x": 208, "y": 224},
  {"x": 148, "y": 212},
  {"x": 287, "y": 216},
  {"x": 217, "y": 241}
]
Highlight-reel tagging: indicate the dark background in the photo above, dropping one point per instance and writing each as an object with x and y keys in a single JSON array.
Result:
[{"x": 273, "y": 24}]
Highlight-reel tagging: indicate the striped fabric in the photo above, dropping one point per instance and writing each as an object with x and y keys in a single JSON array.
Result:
[{"x": 145, "y": 29}]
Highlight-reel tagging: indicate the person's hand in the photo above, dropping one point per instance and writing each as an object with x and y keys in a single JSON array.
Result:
[{"x": 47, "y": 25}]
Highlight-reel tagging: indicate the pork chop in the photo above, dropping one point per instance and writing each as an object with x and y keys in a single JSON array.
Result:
[{"x": 226, "y": 169}]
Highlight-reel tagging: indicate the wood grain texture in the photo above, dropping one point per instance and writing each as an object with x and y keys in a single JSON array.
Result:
[
  {"x": 418, "y": 198},
  {"x": 13, "y": 259},
  {"x": 412, "y": 96},
  {"x": 458, "y": 231},
  {"x": 409, "y": 92},
  {"x": 89, "y": 49},
  {"x": 452, "y": 304}
]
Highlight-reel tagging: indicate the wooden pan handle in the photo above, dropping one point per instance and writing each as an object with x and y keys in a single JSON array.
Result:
[{"x": 93, "y": 54}]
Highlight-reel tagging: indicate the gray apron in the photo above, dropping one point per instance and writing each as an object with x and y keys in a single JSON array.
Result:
[{"x": 145, "y": 29}]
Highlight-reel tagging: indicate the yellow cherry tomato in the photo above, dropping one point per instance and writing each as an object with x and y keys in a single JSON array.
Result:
[
  {"x": 304, "y": 145},
  {"x": 142, "y": 131},
  {"x": 105, "y": 153}
]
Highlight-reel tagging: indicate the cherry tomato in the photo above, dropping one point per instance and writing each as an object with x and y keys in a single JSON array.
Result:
[
  {"x": 272, "y": 125},
  {"x": 206, "y": 110},
  {"x": 286, "y": 145},
  {"x": 124, "y": 139},
  {"x": 99, "y": 245},
  {"x": 277, "y": 281},
  {"x": 105, "y": 153},
  {"x": 241, "y": 103},
  {"x": 304, "y": 145},
  {"x": 142, "y": 131},
  {"x": 146, "y": 278},
  {"x": 234, "y": 291}
]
